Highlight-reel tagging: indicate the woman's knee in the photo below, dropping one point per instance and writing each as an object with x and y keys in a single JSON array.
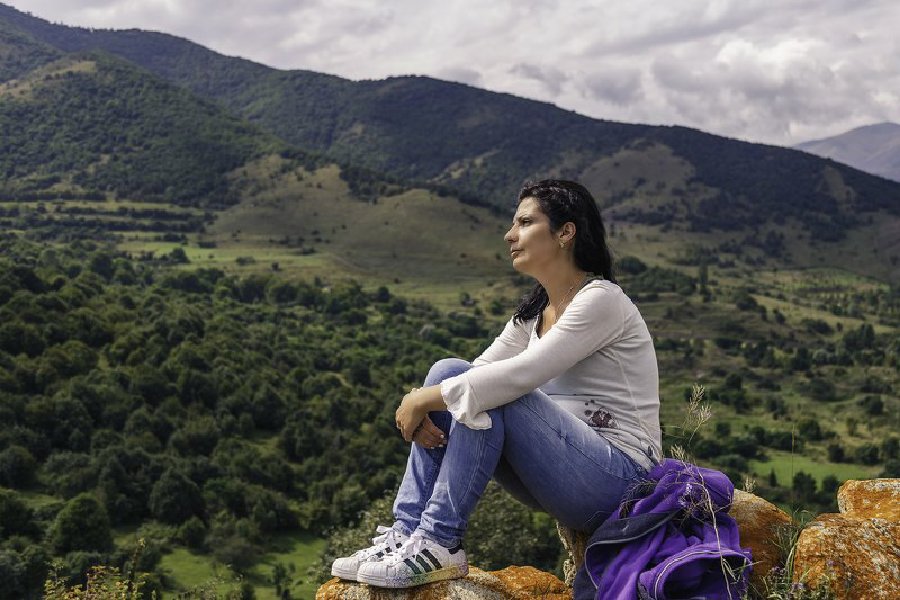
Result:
[
  {"x": 523, "y": 406},
  {"x": 446, "y": 368}
]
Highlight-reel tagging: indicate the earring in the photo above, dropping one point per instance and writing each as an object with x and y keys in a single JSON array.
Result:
[{"x": 562, "y": 244}]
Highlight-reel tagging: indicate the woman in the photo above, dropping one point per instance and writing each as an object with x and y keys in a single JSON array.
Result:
[{"x": 562, "y": 409}]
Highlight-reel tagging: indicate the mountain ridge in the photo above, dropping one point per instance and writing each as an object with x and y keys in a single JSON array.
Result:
[
  {"x": 871, "y": 148},
  {"x": 470, "y": 140}
]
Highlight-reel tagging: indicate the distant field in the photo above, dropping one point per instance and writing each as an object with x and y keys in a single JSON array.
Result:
[
  {"x": 307, "y": 224},
  {"x": 393, "y": 238},
  {"x": 786, "y": 465},
  {"x": 297, "y": 552},
  {"x": 192, "y": 571}
]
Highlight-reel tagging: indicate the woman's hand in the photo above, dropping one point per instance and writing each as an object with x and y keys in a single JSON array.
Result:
[
  {"x": 415, "y": 408},
  {"x": 429, "y": 435}
]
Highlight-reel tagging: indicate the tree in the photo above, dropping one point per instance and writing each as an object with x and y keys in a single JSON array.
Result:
[
  {"x": 821, "y": 389},
  {"x": 102, "y": 264},
  {"x": 890, "y": 448},
  {"x": 12, "y": 573},
  {"x": 873, "y": 405},
  {"x": 267, "y": 408},
  {"x": 15, "y": 517},
  {"x": 17, "y": 467},
  {"x": 83, "y": 525},
  {"x": 836, "y": 453},
  {"x": 178, "y": 255},
  {"x": 866, "y": 454},
  {"x": 809, "y": 429},
  {"x": 175, "y": 498},
  {"x": 804, "y": 486},
  {"x": 192, "y": 533}
]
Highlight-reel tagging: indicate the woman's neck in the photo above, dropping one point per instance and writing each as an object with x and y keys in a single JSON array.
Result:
[{"x": 562, "y": 285}]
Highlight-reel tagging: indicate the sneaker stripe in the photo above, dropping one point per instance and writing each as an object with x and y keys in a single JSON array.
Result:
[
  {"x": 427, "y": 554},
  {"x": 427, "y": 567},
  {"x": 412, "y": 565}
]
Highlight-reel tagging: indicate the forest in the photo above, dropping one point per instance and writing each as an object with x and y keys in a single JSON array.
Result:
[{"x": 211, "y": 412}]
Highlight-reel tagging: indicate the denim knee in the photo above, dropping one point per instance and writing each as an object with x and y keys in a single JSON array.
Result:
[{"x": 445, "y": 369}]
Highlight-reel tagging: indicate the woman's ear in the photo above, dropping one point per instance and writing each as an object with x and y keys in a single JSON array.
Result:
[{"x": 567, "y": 232}]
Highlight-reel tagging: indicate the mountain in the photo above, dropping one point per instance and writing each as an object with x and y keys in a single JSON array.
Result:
[
  {"x": 484, "y": 144},
  {"x": 94, "y": 146},
  {"x": 871, "y": 148},
  {"x": 690, "y": 187}
]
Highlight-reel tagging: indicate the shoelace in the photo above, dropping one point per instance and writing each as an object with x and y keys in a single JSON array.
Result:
[
  {"x": 410, "y": 548},
  {"x": 383, "y": 541}
]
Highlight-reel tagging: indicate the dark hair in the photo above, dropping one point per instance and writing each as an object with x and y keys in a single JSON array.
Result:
[{"x": 566, "y": 201}]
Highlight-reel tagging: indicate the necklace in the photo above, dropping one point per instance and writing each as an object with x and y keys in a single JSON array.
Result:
[{"x": 565, "y": 298}]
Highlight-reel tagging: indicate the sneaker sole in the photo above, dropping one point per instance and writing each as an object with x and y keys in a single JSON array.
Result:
[{"x": 454, "y": 572}]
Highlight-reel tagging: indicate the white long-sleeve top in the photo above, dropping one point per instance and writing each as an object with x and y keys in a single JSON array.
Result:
[{"x": 597, "y": 362}]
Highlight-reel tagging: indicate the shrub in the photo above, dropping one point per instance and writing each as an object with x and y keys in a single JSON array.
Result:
[
  {"x": 83, "y": 525},
  {"x": 17, "y": 467}
]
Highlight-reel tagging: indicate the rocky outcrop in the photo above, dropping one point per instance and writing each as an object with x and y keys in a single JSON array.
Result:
[
  {"x": 512, "y": 583},
  {"x": 855, "y": 552},
  {"x": 758, "y": 521}
]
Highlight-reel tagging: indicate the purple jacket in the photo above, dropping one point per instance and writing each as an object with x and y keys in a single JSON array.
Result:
[{"x": 672, "y": 539}]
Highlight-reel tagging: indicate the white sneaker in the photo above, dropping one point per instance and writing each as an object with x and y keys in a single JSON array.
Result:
[
  {"x": 419, "y": 561},
  {"x": 388, "y": 541}
]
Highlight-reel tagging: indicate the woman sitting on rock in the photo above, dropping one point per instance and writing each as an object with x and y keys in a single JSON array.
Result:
[{"x": 562, "y": 409}]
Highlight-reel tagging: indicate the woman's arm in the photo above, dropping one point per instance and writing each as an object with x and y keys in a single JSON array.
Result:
[
  {"x": 511, "y": 341},
  {"x": 420, "y": 401},
  {"x": 595, "y": 318}
]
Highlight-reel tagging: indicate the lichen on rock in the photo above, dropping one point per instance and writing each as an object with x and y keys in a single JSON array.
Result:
[
  {"x": 856, "y": 552},
  {"x": 511, "y": 583}
]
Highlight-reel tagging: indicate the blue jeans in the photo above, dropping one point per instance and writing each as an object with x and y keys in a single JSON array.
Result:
[{"x": 543, "y": 455}]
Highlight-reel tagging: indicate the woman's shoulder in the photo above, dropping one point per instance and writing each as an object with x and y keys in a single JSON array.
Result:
[
  {"x": 605, "y": 292},
  {"x": 599, "y": 287},
  {"x": 521, "y": 324}
]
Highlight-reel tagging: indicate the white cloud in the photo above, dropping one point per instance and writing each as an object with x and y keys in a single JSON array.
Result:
[
  {"x": 778, "y": 72},
  {"x": 613, "y": 85},
  {"x": 551, "y": 78}
]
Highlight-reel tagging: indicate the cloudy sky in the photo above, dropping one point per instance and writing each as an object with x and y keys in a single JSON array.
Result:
[{"x": 777, "y": 71}]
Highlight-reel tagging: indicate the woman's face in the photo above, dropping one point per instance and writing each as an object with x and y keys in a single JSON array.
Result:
[{"x": 532, "y": 246}]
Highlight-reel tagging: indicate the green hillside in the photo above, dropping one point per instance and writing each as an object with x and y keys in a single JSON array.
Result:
[
  {"x": 94, "y": 125},
  {"x": 21, "y": 52}
]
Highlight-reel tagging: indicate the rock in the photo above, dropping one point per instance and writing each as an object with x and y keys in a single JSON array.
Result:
[
  {"x": 511, "y": 583},
  {"x": 858, "y": 558},
  {"x": 873, "y": 498},
  {"x": 574, "y": 542},
  {"x": 759, "y": 522},
  {"x": 855, "y": 553}
]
